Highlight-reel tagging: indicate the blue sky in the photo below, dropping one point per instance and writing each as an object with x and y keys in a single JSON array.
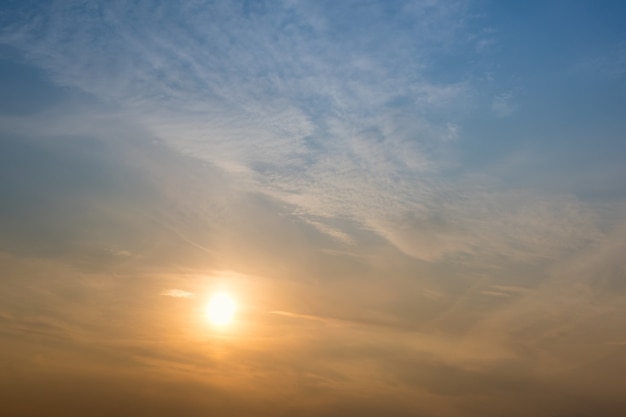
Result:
[{"x": 420, "y": 205}]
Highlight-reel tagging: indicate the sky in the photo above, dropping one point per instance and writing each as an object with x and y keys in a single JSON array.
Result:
[{"x": 418, "y": 207}]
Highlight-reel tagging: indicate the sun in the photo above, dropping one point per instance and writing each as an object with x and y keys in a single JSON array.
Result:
[{"x": 221, "y": 309}]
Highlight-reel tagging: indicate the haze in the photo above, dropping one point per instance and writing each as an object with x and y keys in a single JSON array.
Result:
[{"x": 418, "y": 208}]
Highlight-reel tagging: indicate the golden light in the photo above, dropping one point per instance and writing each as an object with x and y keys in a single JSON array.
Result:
[{"x": 221, "y": 309}]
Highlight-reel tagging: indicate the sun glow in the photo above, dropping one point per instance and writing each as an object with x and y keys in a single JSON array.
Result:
[{"x": 221, "y": 309}]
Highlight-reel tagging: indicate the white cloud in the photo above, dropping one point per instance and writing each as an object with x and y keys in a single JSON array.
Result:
[{"x": 332, "y": 119}]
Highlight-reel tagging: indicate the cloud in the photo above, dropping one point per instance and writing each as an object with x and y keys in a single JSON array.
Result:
[
  {"x": 176, "y": 293},
  {"x": 332, "y": 232},
  {"x": 311, "y": 147},
  {"x": 290, "y": 105},
  {"x": 502, "y": 104},
  {"x": 287, "y": 102},
  {"x": 302, "y": 316}
]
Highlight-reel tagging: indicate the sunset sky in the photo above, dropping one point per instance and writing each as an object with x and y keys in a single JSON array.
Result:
[{"x": 417, "y": 208}]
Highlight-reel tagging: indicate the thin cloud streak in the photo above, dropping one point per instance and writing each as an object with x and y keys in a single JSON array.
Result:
[{"x": 176, "y": 293}]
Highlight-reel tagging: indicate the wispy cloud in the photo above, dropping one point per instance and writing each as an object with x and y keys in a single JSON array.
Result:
[
  {"x": 335, "y": 122},
  {"x": 176, "y": 293},
  {"x": 350, "y": 161},
  {"x": 302, "y": 316},
  {"x": 503, "y": 104},
  {"x": 286, "y": 100}
]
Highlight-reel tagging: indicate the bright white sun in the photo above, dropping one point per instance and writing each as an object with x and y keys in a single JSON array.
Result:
[{"x": 221, "y": 309}]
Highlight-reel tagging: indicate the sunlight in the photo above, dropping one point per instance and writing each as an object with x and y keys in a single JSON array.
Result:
[{"x": 221, "y": 309}]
